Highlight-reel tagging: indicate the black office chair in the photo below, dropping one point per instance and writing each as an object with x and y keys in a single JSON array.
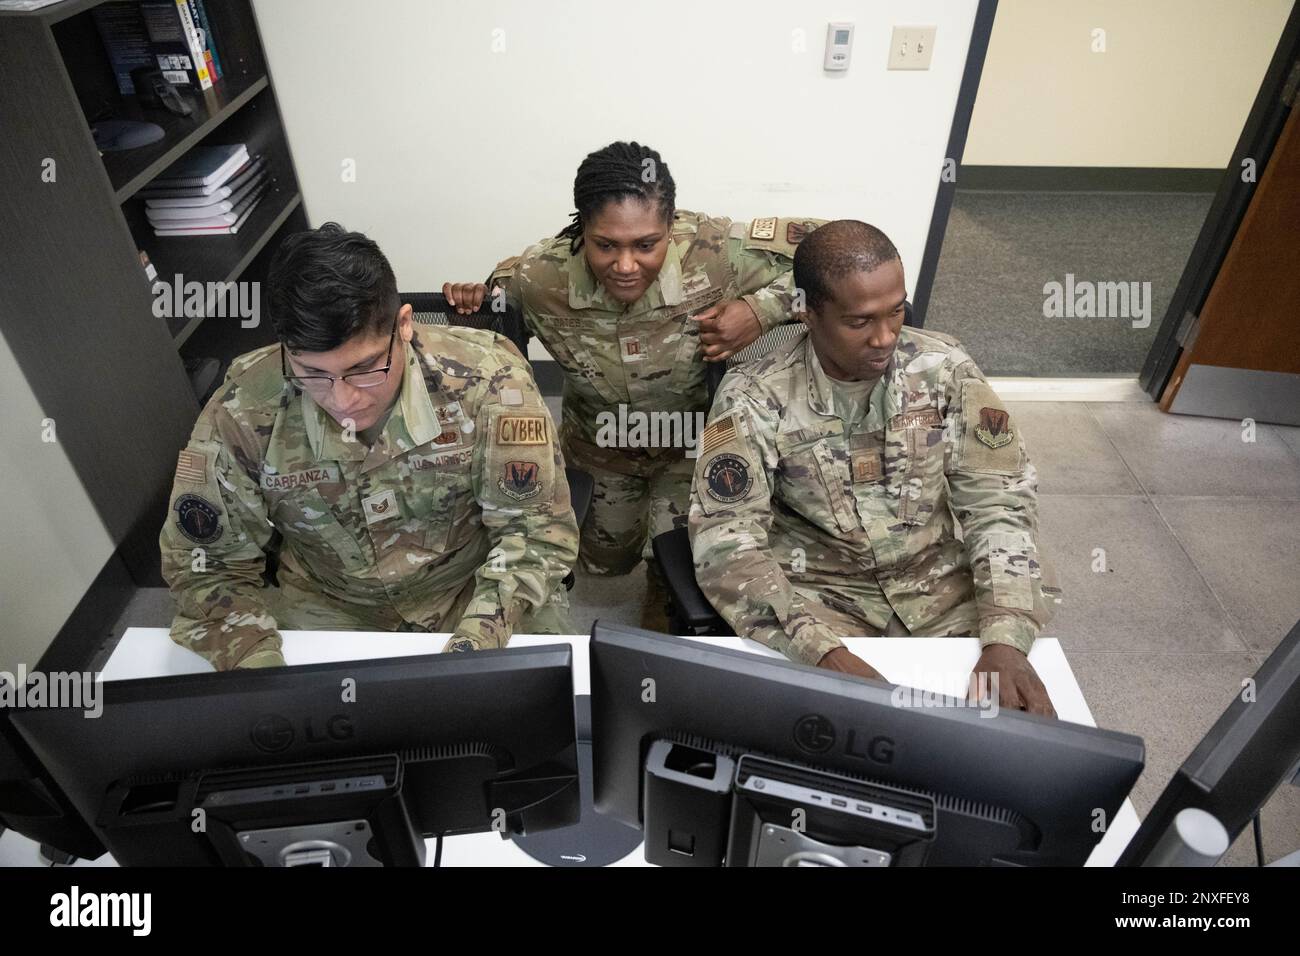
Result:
[
  {"x": 689, "y": 611},
  {"x": 431, "y": 308}
]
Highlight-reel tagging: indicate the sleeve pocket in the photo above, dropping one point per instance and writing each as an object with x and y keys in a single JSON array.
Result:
[{"x": 1009, "y": 554}]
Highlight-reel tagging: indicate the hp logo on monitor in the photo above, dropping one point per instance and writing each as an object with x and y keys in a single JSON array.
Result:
[{"x": 814, "y": 734}]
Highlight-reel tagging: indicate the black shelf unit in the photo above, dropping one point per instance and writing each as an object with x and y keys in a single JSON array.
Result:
[{"x": 76, "y": 306}]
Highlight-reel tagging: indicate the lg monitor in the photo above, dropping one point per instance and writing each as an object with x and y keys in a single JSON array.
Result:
[
  {"x": 728, "y": 758},
  {"x": 350, "y": 763}
]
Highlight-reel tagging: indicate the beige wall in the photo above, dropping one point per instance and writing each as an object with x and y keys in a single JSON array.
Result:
[
  {"x": 1173, "y": 88},
  {"x": 52, "y": 541},
  {"x": 465, "y": 151}
]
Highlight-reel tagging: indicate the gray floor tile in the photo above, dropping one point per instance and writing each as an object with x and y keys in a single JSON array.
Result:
[
  {"x": 613, "y": 600},
  {"x": 1248, "y": 551},
  {"x": 1171, "y": 701},
  {"x": 1185, "y": 455},
  {"x": 1071, "y": 452},
  {"x": 1150, "y": 597},
  {"x": 1289, "y": 434}
]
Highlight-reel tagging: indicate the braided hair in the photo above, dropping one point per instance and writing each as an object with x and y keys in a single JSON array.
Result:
[{"x": 618, "y": 171}]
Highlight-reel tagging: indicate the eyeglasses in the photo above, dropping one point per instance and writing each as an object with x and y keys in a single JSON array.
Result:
[{"x": 321, "y": 384}]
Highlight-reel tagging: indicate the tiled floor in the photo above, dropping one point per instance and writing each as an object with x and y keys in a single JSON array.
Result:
[{"x": 1199, "y": 532}]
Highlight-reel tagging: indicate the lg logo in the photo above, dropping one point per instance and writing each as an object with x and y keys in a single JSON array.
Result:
[
  {"x": 274, "y": 734},
  {"x": 814, "y": 734}
]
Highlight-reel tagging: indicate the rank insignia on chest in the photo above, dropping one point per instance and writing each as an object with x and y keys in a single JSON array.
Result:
[
  {"x": 380, "y": 506},
  {"x": 198, "y": 519},
  {"x": 867, "y": 466},
  {"x": 520, "y": 479},
  {"x": 994, "y": 428},
  {"x": 727, "y": 478},
  {"x": 632, "y": 347}
]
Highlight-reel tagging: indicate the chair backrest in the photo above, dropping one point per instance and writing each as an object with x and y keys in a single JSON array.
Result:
[
  {"x": 431, "y": 308},
  {"x": 773, "y": 338}
]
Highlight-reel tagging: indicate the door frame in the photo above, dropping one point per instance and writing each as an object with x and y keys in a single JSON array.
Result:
[
  {"x": 1277, "y": 94},
  {"x": 976, "y": 52}
]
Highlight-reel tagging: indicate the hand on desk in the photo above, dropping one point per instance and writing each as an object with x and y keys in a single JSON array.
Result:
[
  {"x": 1018, "y": 684},
  {"x": 845, "y": 661}
]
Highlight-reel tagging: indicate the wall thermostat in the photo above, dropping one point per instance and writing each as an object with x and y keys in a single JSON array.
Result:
[{"x": 839, "y": 43}]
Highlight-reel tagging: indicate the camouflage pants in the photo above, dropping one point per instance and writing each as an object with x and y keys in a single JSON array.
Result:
[
  {"x": 299, "y": 607},
  {"x": 628, "y": 511}
]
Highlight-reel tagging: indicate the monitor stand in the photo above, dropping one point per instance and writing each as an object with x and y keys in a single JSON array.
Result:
[{"x": 597, "y": 840}]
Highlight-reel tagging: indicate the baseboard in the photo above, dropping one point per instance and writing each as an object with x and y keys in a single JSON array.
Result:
[
  {"x": 92, "y": 620},
  {"x": 1138, "y": 179}
]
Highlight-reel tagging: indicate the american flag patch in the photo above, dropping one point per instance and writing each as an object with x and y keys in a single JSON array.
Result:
[
  {"x": 192, "y": 466},
  {"x": 718, "y": 433}
]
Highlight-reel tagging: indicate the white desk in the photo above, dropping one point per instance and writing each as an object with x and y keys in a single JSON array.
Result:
[{"x": 941, "y": 664}]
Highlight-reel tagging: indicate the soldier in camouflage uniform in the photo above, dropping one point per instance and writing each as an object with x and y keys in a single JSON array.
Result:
[
  {"x": 433, "y": 500},
  {"x": 632, "y": 299},
  {"x": 833, "y": 468}
]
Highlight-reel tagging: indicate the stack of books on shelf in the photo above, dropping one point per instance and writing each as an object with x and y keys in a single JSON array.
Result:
[
  {"x": 210, "y": 192},
  {"x": 173, "y": 36}
]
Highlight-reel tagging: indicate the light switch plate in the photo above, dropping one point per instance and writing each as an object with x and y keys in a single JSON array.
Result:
[{"x": 910, "y": 48}]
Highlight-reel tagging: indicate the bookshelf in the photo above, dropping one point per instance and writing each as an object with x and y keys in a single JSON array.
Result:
[{"x": 76, "y": 307}]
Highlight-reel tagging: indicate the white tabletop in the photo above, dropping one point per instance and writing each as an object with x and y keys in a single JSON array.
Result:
[{"x": 941, "y": 664}]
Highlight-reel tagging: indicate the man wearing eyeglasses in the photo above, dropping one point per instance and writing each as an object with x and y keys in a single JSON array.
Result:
[{"x": 414, "y": 477}]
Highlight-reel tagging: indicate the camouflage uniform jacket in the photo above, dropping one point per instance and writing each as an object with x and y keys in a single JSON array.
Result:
[
  {"x": 785, "y": 494},
  {"x": 646, "y": 355},
  {"x": 466, "y": 464}
]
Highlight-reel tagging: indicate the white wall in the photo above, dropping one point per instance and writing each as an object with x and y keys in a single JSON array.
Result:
[
  {"x": 1172, "y": 89},
  {"x": 54, "y": 543},
  {"x": 465, "y": 156}
]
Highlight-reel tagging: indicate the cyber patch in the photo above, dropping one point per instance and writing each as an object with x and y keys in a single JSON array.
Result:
[
  {"x": 521, "y": 430},
  {"x": 520, "y": 480},
  {"x": 198, "y": 519},
  {"x": 994, "y": 428},
  {"x": 727, "y": 478},
  {"x": 763, "y": 228}
]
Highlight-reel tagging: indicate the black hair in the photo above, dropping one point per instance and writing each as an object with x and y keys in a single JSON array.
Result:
[
  {"x": 833, "y": 251},
  {"x": 619, "y": 171},
  {"x": 327, "y": 285}
]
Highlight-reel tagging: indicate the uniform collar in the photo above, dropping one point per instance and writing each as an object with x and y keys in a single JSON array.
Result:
[
  {"x": 411, "y": 423},
  {"x": 586, "y": 291},
  {"x": 884, "y": 403}
]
